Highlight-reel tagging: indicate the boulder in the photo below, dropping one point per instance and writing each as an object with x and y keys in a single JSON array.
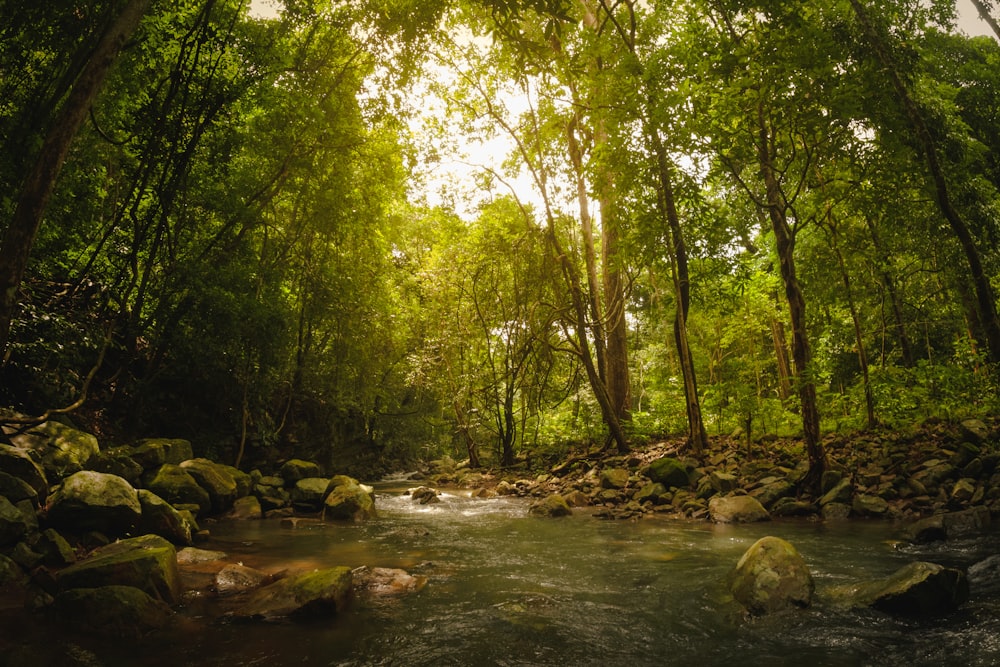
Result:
[
  {"x": 54, "y": 549},
  {"x": 386, "y": 581},
  {"x": 974, "y": 430},
  {"x": 216, "y": 480},
  {"x": 318, "y": 593},
  {"x": 194, "y": 556},
  {"x": 723, "y": 482},
  {"x": 121, "y": 612},
  {"x": 12, "y": 577},
  {"x": 13, "y": 525},
  {"x": 89, "y": 500},
  {"x": 769, "y": 494},
  {"x": 916, "y": 589},
  {"x": 308, "y": 493},
  {"x": 235, "y": 578},
  {"x": 652, "y": 491},
  {"x": 771, "y": 576},
  {"x": 842, "y": 492},
  {"x": 424, "y": 495},
  {"x": 19, "y": 463},
  {"x": 161, "y": 518},
  {"x": 176, "y": 486},
  {"x": 614, "y": 478},
  {"x": 551, "y": 506},
  {"x": 247, "y": 507},
  {"x": 119, "y": 462},
  {"x": 151, "y": 453},
  {"x": 295, "y": 469},
  {"x": 243, "y": 482},
  {"x": 62, "y": 450},
  {"x": 736, "y": 509},
  {"x": 349, "y": 500},
  {"x": 984, "y": 576},
  {"x": 868, "y": 505},
  {"x": 148, "y": 563},
  {"x": 670, "y": 472},
  {"x": 16, "y": 489},
  {"x": 948, "y": 526},
  {"x": 835, "y": 511}
]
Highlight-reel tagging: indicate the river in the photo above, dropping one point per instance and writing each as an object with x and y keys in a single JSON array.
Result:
[{"x": 505, "y": 588}]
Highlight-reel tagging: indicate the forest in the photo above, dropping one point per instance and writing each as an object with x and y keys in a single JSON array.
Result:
[{"x": 382, "y": 231}]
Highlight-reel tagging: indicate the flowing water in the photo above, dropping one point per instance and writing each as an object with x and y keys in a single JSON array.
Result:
[{"x": 505, "y": 588}]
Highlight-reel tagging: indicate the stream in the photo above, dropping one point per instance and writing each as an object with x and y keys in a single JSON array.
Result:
[{"x": 505, "y": 588}]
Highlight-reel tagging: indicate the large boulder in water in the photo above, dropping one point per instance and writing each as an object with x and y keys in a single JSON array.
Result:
[
  {"x": 551, "y": 506},
  {"x": 148, "y": 563},
  {"x": 949, "y": 525},
  {"x": 736, "y": 509},
  {"x": 916, "y": 589},
  {"x": 771, "y": 576},
  {"x": 63, "y": 450},
  {"x": 119, "y": 612},
  {"x": 347, "y": 499},
  {"x": 308, "y": 493},
  {"x": 216, "y": 480},
  {"x": 175, "y": 485},
  {"x": 89, "y": 500},
  {"x": 318, "y": 593},
  {"x": 670, "y": 472}
]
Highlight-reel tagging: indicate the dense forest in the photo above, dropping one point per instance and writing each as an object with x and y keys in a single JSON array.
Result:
[{"x": 389, "y": 229}]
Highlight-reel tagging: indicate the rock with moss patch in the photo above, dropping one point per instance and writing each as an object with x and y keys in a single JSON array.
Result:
[
  {"x": 13, "y": 525},
  {"x": 89, "y": 500},
  {"x": 736, "y": 509},
  {"x": 865, "y": 504},
  {"x": 161, "y": 518},
  {"x": 916, "y": 589},
  {"x": 949, "y": 525},
  {"x": 18, "y": 463},
  {"x": 148, "y": 562},
  {"x": 348, "y": 500},
  {"x": 614, "y": 478},
  {"x": 151, "y": 453},
  {"x": 176, "y": 486},
  {"x": 313, "y": 594},
  {"x": 54, "y": 549},
  {"x": 771, "y": 576},
  {"x": 235, "y": 578},
  {"x": 670, "y": 472},
  {"x": 295, "y": 469},
  {"x": 62, "y": 450},
  {"x": 551, "y": 506},
  {"x": 122, "y": 612},
  {"x": 216, "y": 480},
  {"x": 842, "y": 492}
]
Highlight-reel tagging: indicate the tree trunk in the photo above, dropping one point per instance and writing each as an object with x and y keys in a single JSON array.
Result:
[
  {"x": 986, "y": 302},
  {"x": 781, "y": 358},
  {"x": 984, "y": 14},
  {"x": 40, "y": 181}
]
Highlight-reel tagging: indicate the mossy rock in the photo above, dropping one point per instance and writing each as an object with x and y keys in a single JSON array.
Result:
[
  {"x": 148, "y": 562},
  {"x": 318, "y": 593},
  {"x": 614, "y": 478},
  {"x": 670, "y": 472},
  {"x": 176, "y": 486},
  {"x": 295, "y": 469},
  {"x": 348, "y": 500},
  {"x": 154, "y": 452},
  {"x": 736, "y": 509},
  {"x": 123, "y": 612},
  {"x": 916, "y": 589},
  {"x": 89, "y": 500},
  {"x": 18, "y": 462},
  {"x": 13, "y": 525},
  {"x": 216, "y": 480},
  {"x": 551, "y": 506},
  {"x": 63, "y": 450},
  {"x": 771, "y": 576},
  {"x": 161, "y": 518}
]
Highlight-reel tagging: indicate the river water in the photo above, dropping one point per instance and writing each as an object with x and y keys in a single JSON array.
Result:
[{"x": 505, "y": 588}]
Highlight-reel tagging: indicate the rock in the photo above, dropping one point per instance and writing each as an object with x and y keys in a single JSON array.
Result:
[
  {"x": 13, "y": 525},
  {"x": 193, "y": 556},
  {"x": 723, "y": 482},
  {"x": 318, "y": 593},
  {"x": 916, "y": 589},
  {"x": 653, "y": 492},
  {"x": 551, "y": 506},
  {"x": 984, "y": 576},
  {"x": 296, "y": 469},
  {"x": 771, "y": 576},
  {"x": 577, "y": 498},
  {"x": 614, "y": 478},
  {"x": 19, "y": 463},
  {"x": 868, "y": 505},
  {"x": 117, "y": 462},
  {"x": 386, "y": 581},
  {"x": 152, "y": 453},
  {"x": 161, "y": 518},
  {"x": 148, "y": 563},
  {"x": 308, "y": 493},
  {"x": 793, "y": 507},
  {"x": 670, "y": 472},
  {"x": 16, "y": 489},
  {"x": 348, "y": 500},
  {"x": 54, "y": 549},
  {"x": 243, "y": 482},
  {"x": 965, "y": 452},
  {"x": 962, "y": 492},
  {"x": 62, "y": 450},
  {"x": 736, "y": 509},
  {"x": 122, "y": 612},
  {"x": 835, "y": 511},
  {"x": 235, "y": 578},
  {"x": 974, "y": 430},
  {"x": 12, "y": 577},
  {"x": 948, "y": 526},
  {"x": 176, "y": 486},
  {"x": 424, "y": 495},
  {"x": 840, "y": 493},
  {"x": 247, "y": 507},
  {"x": 216, "y": 480},
  {"x": 89, "y": 500},
  {"x": 771, "y": 493},
  {"x": 829, "y": 480}
]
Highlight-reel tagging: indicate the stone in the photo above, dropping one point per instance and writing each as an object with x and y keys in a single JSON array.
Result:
[
  {"x": 12, "y": 577},
  {"x": 246, "y": 508},
  {"x": 235, "y": 578},
  {"x": 295, "y": 469},
  {"x": 54, "y": 549},
  {"x": 89, "y": 500},
  {"x": 121, "y": 612},
  {"x": 962, "y": 491},
  {"x": 553, "y": 505},
  {"x": 974, "y": 430},
  {"x": 13, "y": 525},
  {"x": 243, "y": 482},
  {"x": 577, "y": 498},
  {"x": 916, "y": 589},
  {"x": 723, "y": 482},
  {"x": 835, "y": 511},
  {"x": 161, "y": 518},
  {"x": 670, "y": 472},
  {"x": 769, "y": 494},
  {"x": 19, "y": 463},
  {"x": 840, "y": 493},
  {"x": 313, "y": 594},
  {"x": 148, "y": 562},
  {"x": 151, "y": 453},
  {"x": 771, "y": 576},
  {"x": 62, "y": 450},
  {"x": 194, "y": 556},
  {"x": 386, "y": 581},
  {"x": 793, "y": 507},
  {"x": 176, "y": 486},
  {"x": 868, "y": 505},
  {"x": 984, "y": 576},
  {"x": 424, "y": 495},
  {"x": 653, "y": 492},
  {"x": 829, "y": 480},
  {"x": 117, "y": 462},
  {"x": 348, "y": 500},
  {"x": 308, "y": 493},
  {"x": 216, "y": 480},
  {"x": 16, "y": 489},
  {"x": 614, "y": 478},
  {"x": 736, "y": 509},
  {"x": 949, "y": 525}
]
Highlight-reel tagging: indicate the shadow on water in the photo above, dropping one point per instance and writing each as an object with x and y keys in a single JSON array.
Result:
[{"x": 505, "y": 588}]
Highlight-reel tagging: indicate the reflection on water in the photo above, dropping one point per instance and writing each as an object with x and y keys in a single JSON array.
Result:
[{"x": 508, "y": 589}]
